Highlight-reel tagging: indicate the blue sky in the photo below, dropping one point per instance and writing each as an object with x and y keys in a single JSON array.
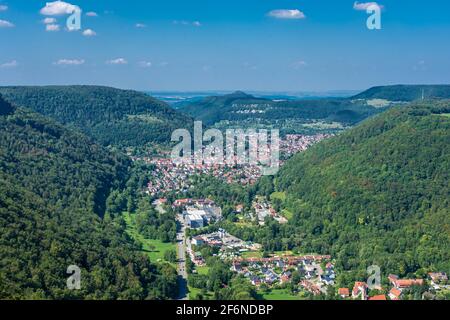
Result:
[{"x": 225, "y": 45}]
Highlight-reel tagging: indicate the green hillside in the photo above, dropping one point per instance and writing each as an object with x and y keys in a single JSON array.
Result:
[
  {"x": 376, "y": 194},
  {"x": 111, "y": 116},
  {"x": 406, "y": 92},
  {"x": 54, "y": 184},
  {"x": 299, "y": 116}
]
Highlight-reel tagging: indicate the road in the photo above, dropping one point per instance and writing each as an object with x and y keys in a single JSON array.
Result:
[{"x": 181, "y": 263}]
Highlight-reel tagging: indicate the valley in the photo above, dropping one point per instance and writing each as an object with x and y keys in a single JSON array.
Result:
[{"x": 355, "y": 173}]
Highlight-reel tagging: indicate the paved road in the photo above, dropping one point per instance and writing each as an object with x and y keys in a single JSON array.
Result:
[{"x": 181, "y": 264}]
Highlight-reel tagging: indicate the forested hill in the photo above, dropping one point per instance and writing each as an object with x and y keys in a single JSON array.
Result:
[
  {"x": 53, "y": 188},
  {"x": 378, "y": 193},
  {"x": 215, "y": 108},
  {"x": 240, "y": 107},
  {"x": 115, "y": 117},
  {"x": 406, "y": 92}
]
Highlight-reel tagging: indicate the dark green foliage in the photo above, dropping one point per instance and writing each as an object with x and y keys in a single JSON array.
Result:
[
  {"x": 122, "y": 118},
  {"x": 5, "y": 108},
  {"x": 154, "y": 225},
  {"x": 211, "y": 110},
  {"x": 54, "y": 184},
  {"x": 171, "y": 256},
  {"x": 406, "y": 92},
  {"x": 377, "y": 194}
]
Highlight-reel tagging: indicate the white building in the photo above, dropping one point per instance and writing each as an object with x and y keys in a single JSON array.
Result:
[{"x": 194, "y": 220}]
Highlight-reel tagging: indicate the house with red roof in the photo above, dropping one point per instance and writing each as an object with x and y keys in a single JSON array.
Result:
[
  {"x": 395, "y": 294},
  {"x": 359, "y": 290},
  {"x": 344, "y": 292}
]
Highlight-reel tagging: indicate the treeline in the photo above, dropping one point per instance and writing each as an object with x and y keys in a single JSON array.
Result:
[
  {"x": 377, "y": 194},
  {"x": 219, "y": 283},
  {"x": 211, "y": 110},
  {"x": 53, "y": 213},
  {"x": 406, "y": 92},
  {"x": 149, "y": 222},
  {"x": 120, "y": 118}
]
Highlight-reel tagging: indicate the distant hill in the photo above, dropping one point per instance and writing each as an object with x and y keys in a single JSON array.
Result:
[
  {"x": 215, "y": 108},
  {"x": 54, "y": 183},
  {"x": 406, "y": 92},
  {"x": 377, "y": 194},
  {"x": 111, "y": 116},
  {"x": 290, "y": 115}
]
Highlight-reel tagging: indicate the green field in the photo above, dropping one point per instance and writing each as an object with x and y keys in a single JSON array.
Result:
[
  {"x": 278, "y": 195},
  {"x": 202, "y": 270},
  {"x": 251, "y": 254},
  {"x": 280, "y": 294},
  {"x": 287, "y": 214},
  {"x": 193, "y": 292},
  {"x": 155, "y": 249}
]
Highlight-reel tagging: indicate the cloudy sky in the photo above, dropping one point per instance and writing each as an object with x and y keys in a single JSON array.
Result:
[{"x": 272, "y": 45}]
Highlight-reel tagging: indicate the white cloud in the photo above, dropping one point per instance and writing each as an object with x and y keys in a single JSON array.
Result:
[
  {"x": 420, "y": 66},
  {"x": 92, "y": 14},
  {"x": 362, "y": 6},
  {"x": 140, "y": 25},
  {"x": 188, "y": 23},
  {"x": 11, "y": 64},
  {"x": 58, "y": 8},
  {"x": 49, "y": 21},
  {"x": 69, "y": 62},
  {"x": 287, "y": 14},
  {"x": 145, "y": 64},
  {"x": 299, "y": 64},
  {"x": 6, "y": 24},
  {"x": 117, "y": 61},
  {"x": 52, "y": 27},
  {"x": 89, "y": 33},
  {"x": 248, "y": 65},
  {"x": 3, "y": 7}
]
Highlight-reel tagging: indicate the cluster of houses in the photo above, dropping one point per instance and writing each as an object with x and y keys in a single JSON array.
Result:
[
  {"x": 438, "y": 280},
  {"x": 250, "y": 108},
  {"x": 229, "y": 246},
  {"x": 294, "y": 143},
  {"x": 263, "y": 209},
  {"x": 171, "y": 176},
  {"x": 278, "y": 270}
]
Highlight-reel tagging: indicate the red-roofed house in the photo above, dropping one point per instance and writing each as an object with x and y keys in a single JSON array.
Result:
[
  {"x": 395, "y": 294},
  {"x": 359, "y": 290},
  {"x": 344, "y": 292},
  {"x": 378, "y": 297},
  {"x": 406, "y": 283}
]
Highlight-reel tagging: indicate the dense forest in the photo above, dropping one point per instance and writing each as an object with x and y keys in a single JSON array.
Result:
[
  {"x": 121, "y": 118},
  {"x": 240, "y": 106},
  {"x": 54, "y": 213},
  {"x": 406, "y": 92},
  {"x": 378, "y": 193}
]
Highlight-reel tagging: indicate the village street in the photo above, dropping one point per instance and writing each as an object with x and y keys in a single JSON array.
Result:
[{"x": 181, "y": 262}]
